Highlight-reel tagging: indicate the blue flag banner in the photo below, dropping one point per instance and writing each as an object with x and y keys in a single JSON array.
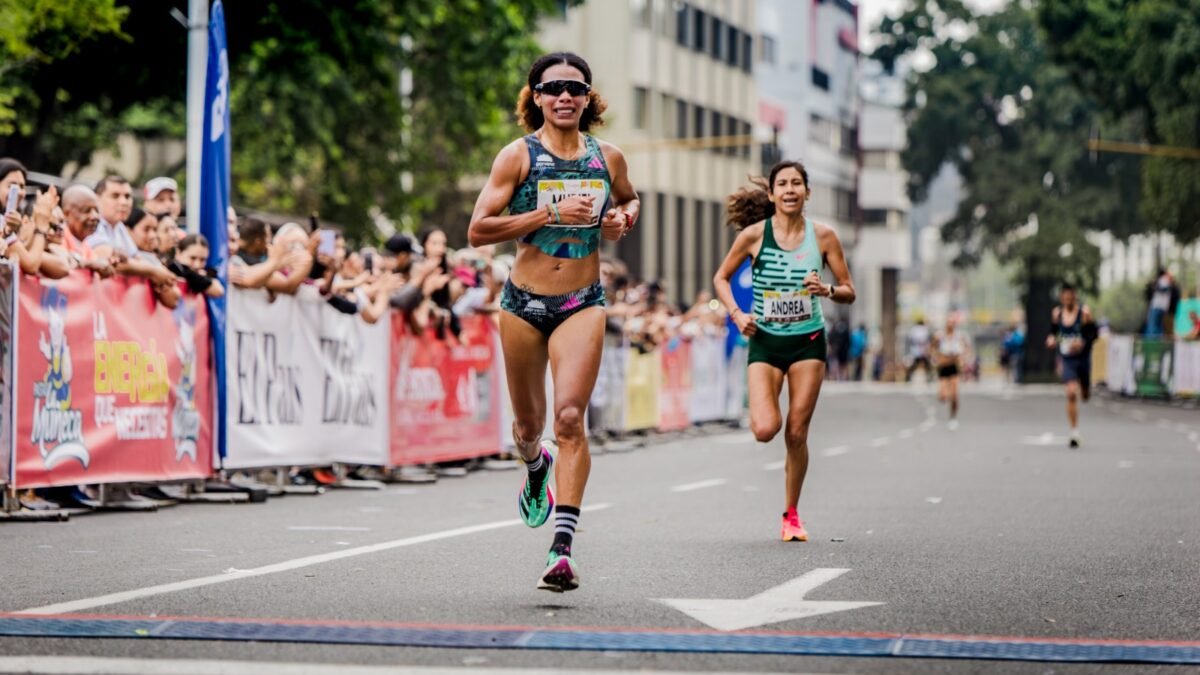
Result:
[
  {"x": 215, "y": 197},
  {"x": 743, "y": 293}
]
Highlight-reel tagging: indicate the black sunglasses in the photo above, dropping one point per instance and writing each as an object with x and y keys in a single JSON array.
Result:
[{"x": 557, "y": 87}]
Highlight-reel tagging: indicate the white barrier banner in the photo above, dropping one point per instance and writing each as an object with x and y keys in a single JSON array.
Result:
[
  {"x": 1187, "y": 369},
  {"x": 735, "y": 389},
  {"x": 1121, "y": 375},
  {"x": 709, "y": 377},
  {"x": 307, "y": 384}
]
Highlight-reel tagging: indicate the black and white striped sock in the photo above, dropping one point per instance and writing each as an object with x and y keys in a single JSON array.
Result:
[{"x": 566, "y": 519}]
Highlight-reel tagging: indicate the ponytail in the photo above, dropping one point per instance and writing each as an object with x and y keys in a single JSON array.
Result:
[{"x": 750, "y": 205}]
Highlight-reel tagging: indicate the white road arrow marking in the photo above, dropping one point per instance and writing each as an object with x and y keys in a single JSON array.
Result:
[
  {"x": 1045, "y": 439},
  {"x": 783, "y": 603}
]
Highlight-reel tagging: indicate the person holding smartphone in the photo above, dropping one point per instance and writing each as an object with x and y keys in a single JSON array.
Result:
[{"x": 557, "y": 191}]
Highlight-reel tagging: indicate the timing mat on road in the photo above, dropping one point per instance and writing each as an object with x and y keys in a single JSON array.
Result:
[{"x": 601, "y": 639}]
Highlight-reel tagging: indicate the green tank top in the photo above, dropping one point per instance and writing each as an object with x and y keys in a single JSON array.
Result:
[{"x": 781, "y": 303}]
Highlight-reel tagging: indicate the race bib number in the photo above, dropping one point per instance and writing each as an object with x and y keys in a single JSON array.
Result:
[
  {"x": 555, "y": 191},
  {"x": 787, "y": 306},
  {"x": 1070, "y": 346}
]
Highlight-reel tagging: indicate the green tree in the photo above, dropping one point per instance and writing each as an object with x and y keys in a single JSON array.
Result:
[
  {"x": 1015, "y": 128},
  {"x": 319, "y": 123},
  {"x": 1140, "y": 59}
]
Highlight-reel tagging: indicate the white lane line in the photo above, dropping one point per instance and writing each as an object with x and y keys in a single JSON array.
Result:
[
  {"x": 92, "y": 665},
  {"x": 928, "y": 424},
  {"x": 1194, "y": 437},
  {"x": 327, "y": 528},
  {"x": 1164, "y": 423},
  {"x": 835, "y": 451},
  {"x": 1138, "y": 415},
  {"x": 906, "y": 433},
  {"x": 699, "y": 485},
  {"x": 1182, "y": 428},
  {"x": 285, "y": 566},
  {"x": 880, "y": 442},
  {"x": 774, "y": 466}
]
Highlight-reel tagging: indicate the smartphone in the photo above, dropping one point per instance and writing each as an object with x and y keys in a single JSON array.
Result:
[
  {"x": 328, "y": 245},
  {"x": 369, "y": 262},
  {"x": 15, "y": 193}
]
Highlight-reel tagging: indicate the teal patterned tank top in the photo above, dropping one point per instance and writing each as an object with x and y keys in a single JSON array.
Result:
[
  {"x": 552, "y": 180},
  {"x": 781, "y": 303}
]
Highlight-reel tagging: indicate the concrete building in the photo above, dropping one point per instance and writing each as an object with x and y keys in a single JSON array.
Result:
[
  {"x": 808, "y": 86},
  {"x": 883, "y": 248},
  {"x": 673, "y": 73}
]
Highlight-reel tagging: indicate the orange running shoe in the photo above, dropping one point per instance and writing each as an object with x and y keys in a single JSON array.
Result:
[{"x": 793, "y": 527}]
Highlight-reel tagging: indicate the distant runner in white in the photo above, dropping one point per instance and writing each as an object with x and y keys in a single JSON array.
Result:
[
  {"x": 950, "y": 349},
  {"x": 786, "y": 327}
]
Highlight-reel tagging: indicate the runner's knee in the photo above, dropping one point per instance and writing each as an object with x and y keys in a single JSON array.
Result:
[
  {"x": 765, "y": 430},
  {"x": 796, "y": 436},
  {"x": 528, "y": 429},
  {"x": 568, "y": 423}
]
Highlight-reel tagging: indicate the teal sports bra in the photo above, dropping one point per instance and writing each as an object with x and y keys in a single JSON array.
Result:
[{"x": 552, "y": 180}]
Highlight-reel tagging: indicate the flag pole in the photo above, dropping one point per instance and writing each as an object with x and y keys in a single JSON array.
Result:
[{"x": 196, "y": 73}]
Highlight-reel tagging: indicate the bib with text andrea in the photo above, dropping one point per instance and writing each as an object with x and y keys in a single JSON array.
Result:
[
  {"x": 787, "y": 306},
  {"x": 555, "y": 191}
]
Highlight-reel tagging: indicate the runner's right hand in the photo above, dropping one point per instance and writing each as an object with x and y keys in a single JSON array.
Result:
[
  {"x": 746, "y": 324},
  {"x": 575, "y": 210}
]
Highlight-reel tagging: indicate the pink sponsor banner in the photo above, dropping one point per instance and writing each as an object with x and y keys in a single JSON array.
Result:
[
  {"x": 445, "y": 401},
  {"x": 675, "y": 396},
  {"x": 111, "y": 386}
]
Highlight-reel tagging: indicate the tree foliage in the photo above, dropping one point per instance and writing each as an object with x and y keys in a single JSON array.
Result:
[
  {"x": 1015, "y": 128},
  {"x": 1140, "y": 59},
  {"x": 319, "y": 122}
]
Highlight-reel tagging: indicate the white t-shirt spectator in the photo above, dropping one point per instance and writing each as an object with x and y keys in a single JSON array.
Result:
[{"x": 117, "y": 236}]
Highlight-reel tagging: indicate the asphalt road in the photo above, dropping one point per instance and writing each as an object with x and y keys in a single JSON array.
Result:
[{"x": 995, "y": 529}]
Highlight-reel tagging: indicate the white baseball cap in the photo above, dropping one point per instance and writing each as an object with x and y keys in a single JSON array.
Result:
[{"x": 156, "y": 185}]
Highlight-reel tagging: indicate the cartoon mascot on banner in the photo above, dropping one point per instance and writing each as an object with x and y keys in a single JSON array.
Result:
[
  {"x": 57, "y": 427},
  {"x": 185, "y": 419}
]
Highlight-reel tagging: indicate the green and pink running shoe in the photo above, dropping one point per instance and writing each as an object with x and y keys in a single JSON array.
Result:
[
  {"x": 535, "y": 506},
  {"x": 561, "y": 574}
]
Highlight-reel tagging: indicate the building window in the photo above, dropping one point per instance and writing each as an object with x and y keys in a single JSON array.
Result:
[
  {"x": 732, "y": 128},
  {"x": 881, "y": 159},
  {"x": 699, "y": 26},
  {"x": 821, "y": 131},
  {"x": 849, "y": 141},
  {"x": 732, "y": 40},
  {"x": 746, "y": 131},
  {"x": 562, "y": 6},
  {"x": 698, "y": 116},
  {"x": 641, "y": 107},
  {"x": 875, "y": 216},
  {"x": 630, "y": 250},
  {"x": 767, "y": 47},
  {"x": 718, "y": 221},
  {"x": 675, "y": 286},
  {"x": 666, "y": 116},
  {"x": 718, "y": 128},
  {"x": 660, "y": 224},
  {"x": 681, "y": 119},
  {"x": 640, "y": 11},
  {"x": 747, "y": 53},
  {"x": 820, "y": 79},
  {"x": 844, "y": 204},
  {"x": 717, "y": 46},
  {"x": 696, "y": 262},
  {"x": 681, "y": 24}
]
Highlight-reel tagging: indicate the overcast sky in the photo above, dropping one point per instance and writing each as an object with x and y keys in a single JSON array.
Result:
[{"x": 870, "y": 12}]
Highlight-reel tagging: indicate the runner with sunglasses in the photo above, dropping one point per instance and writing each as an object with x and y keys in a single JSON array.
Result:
[
  {"x": 557, "y": 191},
  {"x": 786, "y": 327}
]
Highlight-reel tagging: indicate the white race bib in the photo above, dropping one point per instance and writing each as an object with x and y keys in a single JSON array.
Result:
[
  {"x": 554, "y": 191},
  {"x": 1070, "y": 346},
  {"x": 787, "y": 306}
]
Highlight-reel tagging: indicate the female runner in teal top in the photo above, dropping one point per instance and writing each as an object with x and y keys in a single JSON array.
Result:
[
  {"x": 557, "y": 191},
  {"x": 786, "y": 327}
]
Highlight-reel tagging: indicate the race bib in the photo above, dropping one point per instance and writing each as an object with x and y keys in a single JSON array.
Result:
[
  {"x": 1070, "y": 346},
  {"x": 787, "y": 306},
  {"x": 554, "y": 191}
]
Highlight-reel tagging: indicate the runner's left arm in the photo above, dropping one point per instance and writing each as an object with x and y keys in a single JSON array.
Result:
[
  {"x": 619, "y": 219},
  {"x": 831, "y": 249}
]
